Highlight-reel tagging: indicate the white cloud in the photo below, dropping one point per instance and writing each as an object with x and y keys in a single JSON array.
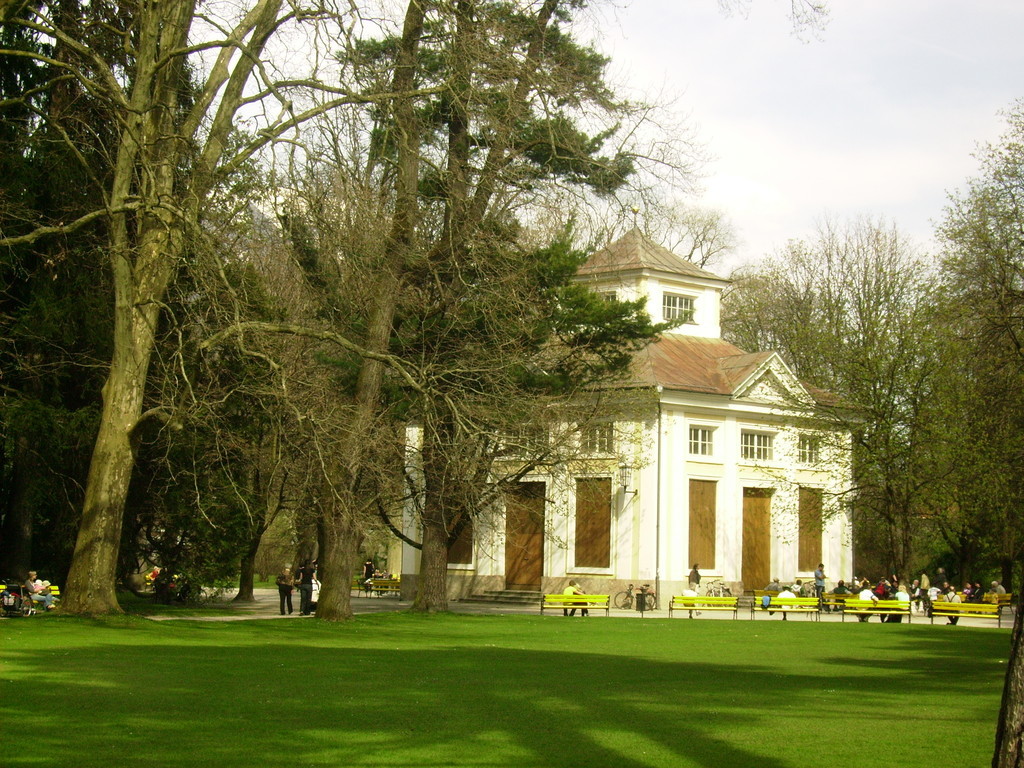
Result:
[{"x": 879, "y": 116}]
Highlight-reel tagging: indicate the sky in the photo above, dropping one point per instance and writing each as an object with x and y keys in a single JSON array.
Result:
[{"x": 878, "y": 114}]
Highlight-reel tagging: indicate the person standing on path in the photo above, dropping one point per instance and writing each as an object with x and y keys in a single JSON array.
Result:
[
  {"x": 819, "y": 581},
  {"x": 305, "y": 577},
  {"x": 695, "y": 578},
  {"x": 285, "y": 584}
]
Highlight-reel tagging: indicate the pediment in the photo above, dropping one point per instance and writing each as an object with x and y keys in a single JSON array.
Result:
[{"x": 772, "y": 382}]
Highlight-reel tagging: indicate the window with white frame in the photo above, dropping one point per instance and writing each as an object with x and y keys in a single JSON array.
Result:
[
  {"x": 676, "y": 307},
  {"x": 757, "y": 446},
  {"x": 526, "y": 441},
  {"x": 808, "y": 449},
  {"x": 609, "y": 295},
  {"x": 702, "y": 441},
  {"x": 598, "y": 438}
]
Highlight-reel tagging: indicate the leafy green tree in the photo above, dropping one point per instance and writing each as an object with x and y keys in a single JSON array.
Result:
[
  {"x": 171, "y": 90},
  {"x": 439, "y": 181},
  {"x": 513, "y": 344},
  {"x": 480, "y": 298},
  {"x": 53, "y": 323},
  {"x": 983, "y": 242},
  {"x": 850, "y": 310},
  {"x": 978, "y": 489},
  {"x": 983, "y": 269}
]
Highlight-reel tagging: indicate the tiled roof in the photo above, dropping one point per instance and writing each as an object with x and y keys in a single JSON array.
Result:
[
  {"x": 634, "y": 251},
  {"x": 696, "y": 364},
  {"x": 678, "y": 362},
  {"x": 708, "y": 366}
]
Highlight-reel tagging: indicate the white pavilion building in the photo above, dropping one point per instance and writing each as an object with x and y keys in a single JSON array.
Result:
[{"x": 724, "y": 465}]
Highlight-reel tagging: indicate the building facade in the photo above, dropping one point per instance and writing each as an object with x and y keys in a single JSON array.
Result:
[{"x": 718, "y": 461}]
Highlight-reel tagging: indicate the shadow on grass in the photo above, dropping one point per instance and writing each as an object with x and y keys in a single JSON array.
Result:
[
  {"x": 297, "y": 693},
  {"x": 147, "y": 605}
]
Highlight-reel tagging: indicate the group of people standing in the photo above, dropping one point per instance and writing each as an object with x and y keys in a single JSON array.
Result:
[{"x": 305, "y": 581}]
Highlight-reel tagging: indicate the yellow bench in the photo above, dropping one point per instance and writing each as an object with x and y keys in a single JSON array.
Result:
[
  {"x": 787, "y": 605},
  {"x": 361, "y": 585},
  {"x": 832, "y": 601},
  {"x": 54, "y": 589},
  {"x": 568, "y": 602},
  {"x": 1003, "y": 601},
  {"x": 697, "y": 603},
  {"x": 869, "y": 608},
  {"x": 970, "y": 610},
  {"x": 382, "y": 587}
]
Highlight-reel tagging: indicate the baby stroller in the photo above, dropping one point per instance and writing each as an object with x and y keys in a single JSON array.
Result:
[{"x": 12, "y": 599}]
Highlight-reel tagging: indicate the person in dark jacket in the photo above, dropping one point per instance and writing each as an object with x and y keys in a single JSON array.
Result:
[
  {"x": 285, "y": 585},
  {"x": 305, "y": 579}
]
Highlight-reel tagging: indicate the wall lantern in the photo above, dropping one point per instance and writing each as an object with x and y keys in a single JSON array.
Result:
[{"x": 626, "y": 477}]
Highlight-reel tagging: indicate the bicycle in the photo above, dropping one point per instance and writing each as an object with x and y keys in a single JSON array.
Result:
[
  {"x": 717, "y": 588},
  {"x": 626, "y": 599}
]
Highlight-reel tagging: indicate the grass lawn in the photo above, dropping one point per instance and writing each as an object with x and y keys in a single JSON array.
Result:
[{"x": 395, "y": 690}]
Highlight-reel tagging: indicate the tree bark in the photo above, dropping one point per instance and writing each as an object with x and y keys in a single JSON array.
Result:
[
  {"x": 247, "y": 570},
  {"x": 91, "y": 581},
  {"x": 142, "y": 264},
  {"x": 432, "y": 584},
  {"x": 339, "y": 551},
  {"x": 338, "y": 532},
  {"x": 445, "y": 484},
  {"x": 1009, "y": 748}
]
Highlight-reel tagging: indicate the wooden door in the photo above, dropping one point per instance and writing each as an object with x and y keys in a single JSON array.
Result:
[
  {"x": 593, "y": 522},
  {"x": 757, "y": 560},
  {"x": 703, "y": 523},
  {"x": 524, "y": 536},
  {"x": 809, "y": 547}
]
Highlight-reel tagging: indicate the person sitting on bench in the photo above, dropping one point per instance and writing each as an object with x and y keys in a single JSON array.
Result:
[
  {"x": 786, "y": 594},
  {"x": 574, "y": 589},
  {"x": 39, "y": 591}
]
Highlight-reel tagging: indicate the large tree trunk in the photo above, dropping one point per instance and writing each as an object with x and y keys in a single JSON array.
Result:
[
  {"x": 339, "y": 551},
  {"x": 143, "y": 255},
  {"x": 247, "y": 567},
  {"x": 91, "y": 581},
  {"x": 1009, "y": 751},
  {"x": 338, "y": 528},
  {"x": 141, "y": 276},
  {"x": 441, "y": 485},
  {"x": 432, "y": 584}
]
